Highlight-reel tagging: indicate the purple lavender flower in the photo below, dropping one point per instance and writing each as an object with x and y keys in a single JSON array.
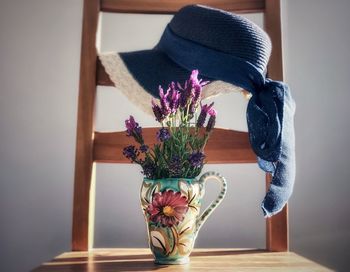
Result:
[
  {"x": 131, "y": 152},
  {"x": 194, "y": 83},
  {"x": 192, "y": 91},
  {"x": 149, "y": 169},
  {"x": 185, "y": 94},
  {"x": 157, "y": 111},
  {"x": 192, "y": 108},
  {"x": 144, "y": 148},
  {"x": 193, "y": 80},
  {"x": 196, "y": 159},
  {"x": 211, "y": 121},
  {"x": 164, "y": 103},
  {"x": 175, "y": 166},
  {"x": 163, "y": 134},
  {"x": 173, "y": 98},
  {"x": 212, "y": 111},
  {"x": 175, "y": 103},
  {"x": 132, "y": 127},
  {"x": 197, "y": 92},
  {"x": 201, "y": 119},
  {"x": 203, "y": 114}
]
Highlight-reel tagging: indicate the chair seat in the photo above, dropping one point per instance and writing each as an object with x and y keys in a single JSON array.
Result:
[{"x": 221, "y": 259}]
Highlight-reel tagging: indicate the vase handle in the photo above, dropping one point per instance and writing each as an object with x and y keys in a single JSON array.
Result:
[{"x": 204, "y": 216}]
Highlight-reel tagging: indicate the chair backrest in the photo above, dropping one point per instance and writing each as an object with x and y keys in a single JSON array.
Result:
[{"x": 225, "y": 146}]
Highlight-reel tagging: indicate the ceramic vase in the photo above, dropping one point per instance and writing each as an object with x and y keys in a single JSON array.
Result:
[{"x": 172, "y": 210}]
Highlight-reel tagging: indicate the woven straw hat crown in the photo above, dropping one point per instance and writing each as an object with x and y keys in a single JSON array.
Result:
[{"x": 225, "y": 32}]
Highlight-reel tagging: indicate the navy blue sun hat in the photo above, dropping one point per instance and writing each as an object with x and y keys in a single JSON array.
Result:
[
  {"x": 228, "y": 47},
  {"x": 200, "y": 37}
]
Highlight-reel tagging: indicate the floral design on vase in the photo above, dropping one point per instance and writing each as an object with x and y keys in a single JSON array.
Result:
[
  {"x": 171, "y": 208},
  {"x": 168, "y": 208}
]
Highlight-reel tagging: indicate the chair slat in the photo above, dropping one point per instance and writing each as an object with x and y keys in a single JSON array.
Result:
[
  {"x": 224, "y": 146},
  {"x": 172, "y": 6}
]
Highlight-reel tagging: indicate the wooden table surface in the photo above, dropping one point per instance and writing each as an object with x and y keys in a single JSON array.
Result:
[{"x": 132, "y": 259}]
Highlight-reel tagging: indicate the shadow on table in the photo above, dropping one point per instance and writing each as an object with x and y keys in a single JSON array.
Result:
[{"x": 136, "y": 262}]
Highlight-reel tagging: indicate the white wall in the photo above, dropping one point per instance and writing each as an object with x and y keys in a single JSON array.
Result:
[
  {"x": 317, "y": 68},
  {"x": 39, "y": 64},
  {"x": 39, "y": 53}
]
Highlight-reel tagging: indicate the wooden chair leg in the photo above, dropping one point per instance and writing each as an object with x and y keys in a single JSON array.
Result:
[
  {"x": 277, "y": 228},
  {"x": 84, "y": 183}
]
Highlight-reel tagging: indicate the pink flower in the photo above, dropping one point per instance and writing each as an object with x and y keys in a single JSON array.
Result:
[{"x": 168, "y": 208}]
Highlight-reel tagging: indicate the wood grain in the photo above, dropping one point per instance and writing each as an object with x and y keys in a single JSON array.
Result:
[
  {"x": 84, "y": 197},
  {"x": 224, "y": 146},
  {"x": 172, "y": 6},
  {"x": 223, "y": 259},
  {"x": 272, "y": 25},
  {"x": 276, "y": 226}
]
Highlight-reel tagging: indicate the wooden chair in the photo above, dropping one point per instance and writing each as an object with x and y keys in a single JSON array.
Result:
[{"x": 225, "y": 146}]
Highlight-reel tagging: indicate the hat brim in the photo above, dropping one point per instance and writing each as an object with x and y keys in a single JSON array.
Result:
[{"x": 153, "y": 68}]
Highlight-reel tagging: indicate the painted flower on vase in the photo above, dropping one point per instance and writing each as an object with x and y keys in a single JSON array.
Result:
[{"x": 168, "y": 208}]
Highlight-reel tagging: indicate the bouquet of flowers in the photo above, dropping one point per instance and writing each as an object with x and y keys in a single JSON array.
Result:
[{"x": 183, "y": 134}]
